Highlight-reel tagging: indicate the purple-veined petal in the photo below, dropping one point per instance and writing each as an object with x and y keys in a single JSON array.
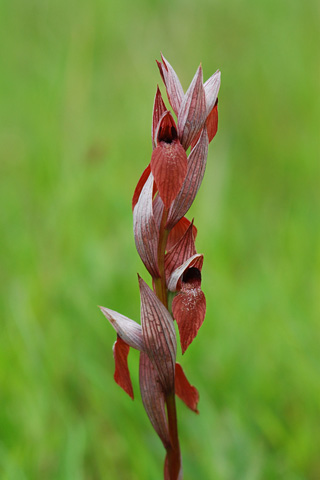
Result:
[
  {"x": 159, "y": 109},
  {"x": 177, "y": 232},
  {"x": 211, "y": 125},
  {"x": 211, "y": 88},
  {"x": 172, "y": 83},
  {"x": 158, "y": 207},
  {"x": 168, "y": 161},
  {"x": 122, "y": 374},
  {"x": 189, "y": 307},
  {"x": 169, "y": 167},
  {"x": 185, "y": 391},
  {"x": 196, "y": 167},
  {"x": 159, "y": 335},
  {"x": 194, "y": 261},
  {"x": 128, "y": 330},
  {"x": 192, "y": 113},
  {"x": 180, "y": 252},
  {"x": 153, "y": 398},
  {"x": 146, "y": 234}
]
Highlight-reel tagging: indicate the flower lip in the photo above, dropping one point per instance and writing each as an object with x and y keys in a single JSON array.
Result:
[{"x": 168, "y": 160}]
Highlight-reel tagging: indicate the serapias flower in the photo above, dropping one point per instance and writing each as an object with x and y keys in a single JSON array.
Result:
[
  {"x": 168, "y": 161},
  {"x": 165, "y": 241},
  {"x": 156, "y": 339},
  {"x": 194, "y": 107},
  {"x": 183, "y": 275}
]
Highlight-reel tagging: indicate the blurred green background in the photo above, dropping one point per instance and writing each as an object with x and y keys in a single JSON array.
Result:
[{"x": 77, "y": 82}]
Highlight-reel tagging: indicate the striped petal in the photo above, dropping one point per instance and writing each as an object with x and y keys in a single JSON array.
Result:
[
  {"x": 211, "y": 88},
  {"x": 153, "y": 398},
  {"x": 146, "y": 234},
  {"x": 128, "y": 330},
  {"x": 178, "y": 231},
  {"x": 180, "y": 252},
  {"x": 172, "y": 83},
  {"x": 211, "y": 125},
  {"x": 192, "y": 113},
  {"x": 159, "y": 335},
  {"x": 197, "y": 161}
]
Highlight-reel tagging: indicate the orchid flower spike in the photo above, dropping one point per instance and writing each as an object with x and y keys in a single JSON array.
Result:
[{"x": 165, "y": 241}]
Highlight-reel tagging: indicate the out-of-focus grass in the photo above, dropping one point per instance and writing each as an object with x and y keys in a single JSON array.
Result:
[{"x": 77, "y": 82}]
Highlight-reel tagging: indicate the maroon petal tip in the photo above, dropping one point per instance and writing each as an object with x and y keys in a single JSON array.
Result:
[
  {"x": 122, "y": 374},
  {"x": 185, "y": 391}
]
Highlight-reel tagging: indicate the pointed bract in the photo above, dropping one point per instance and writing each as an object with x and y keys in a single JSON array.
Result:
[
  {"x": 192, "y": 113},
  {"x": 196, "y": 167},
  {"x": 122, "y": 374},
  {"x": 211, "y": 88},
  {"x": 146, "y": 234},
  {"x": 153, "y": 398},
  {"x": 189, "y": 307},
  {"x": 177, "y": 232},
  {"x": 159, "y": 335},
  {"x": 172, "y": 83},
  {"x": 128, "y": 330},
  {"x": 186, "y": 392},
  {"x": 159, "y": 109},
  {"x": 180, "y": 252},
  {"x": 211, "y": 125},
  {"x": 168, "y": 161}
]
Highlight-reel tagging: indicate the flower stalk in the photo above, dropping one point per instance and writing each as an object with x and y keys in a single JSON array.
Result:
[
  {"x": 173, "y": 452},
  {"x": 165, "y": 241},
  {"x": 160, "y": 283}
]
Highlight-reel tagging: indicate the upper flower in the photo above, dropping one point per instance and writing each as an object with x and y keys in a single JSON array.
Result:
[
  {"x": 195, "y": 106},
  {"x": 168, "y": 161}
]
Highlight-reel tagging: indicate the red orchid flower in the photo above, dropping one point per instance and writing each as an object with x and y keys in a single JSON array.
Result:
[{"x": 165, "y": 241}]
